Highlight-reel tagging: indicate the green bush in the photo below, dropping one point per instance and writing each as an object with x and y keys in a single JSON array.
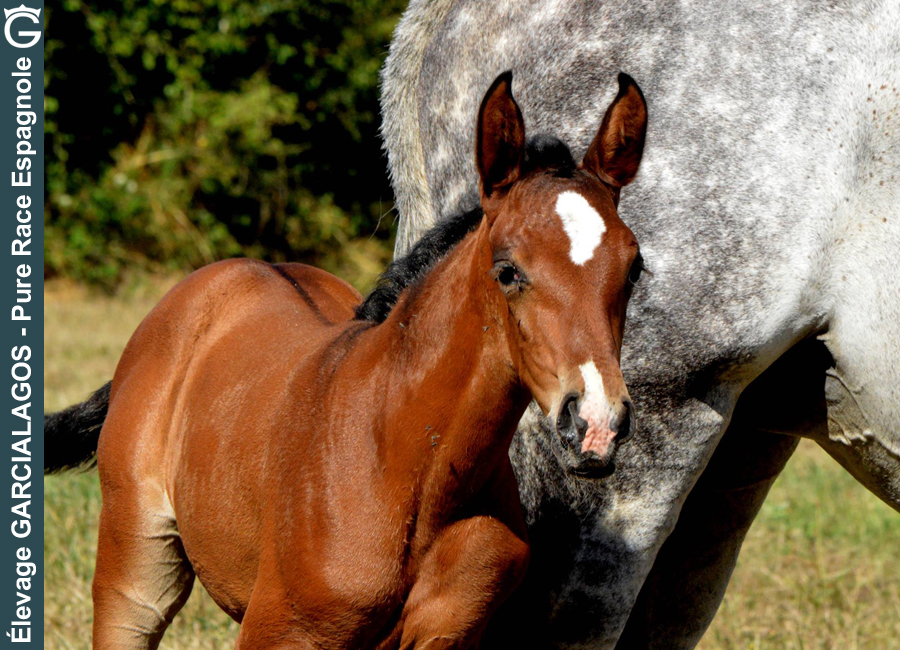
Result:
[{"x": 184, "y": 131}]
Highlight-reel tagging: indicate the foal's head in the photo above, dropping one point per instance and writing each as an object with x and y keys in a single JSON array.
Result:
[{"x": 565, "y": 264}]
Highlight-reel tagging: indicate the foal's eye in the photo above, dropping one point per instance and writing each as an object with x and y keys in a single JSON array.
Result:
[
  {"x": 508, "y": 277},
  {"x": 637, "y": 267}
]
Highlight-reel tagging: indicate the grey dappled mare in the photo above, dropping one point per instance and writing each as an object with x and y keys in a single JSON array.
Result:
[{"x": 768, "y": 211}]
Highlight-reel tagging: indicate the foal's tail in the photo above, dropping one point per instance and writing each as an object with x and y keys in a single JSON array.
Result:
[{"x": 71, "y": 435}]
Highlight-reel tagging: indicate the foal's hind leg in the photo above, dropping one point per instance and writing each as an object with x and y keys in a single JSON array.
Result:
[
  {"x": 472, "y": 568},
  {"x": 143, "y": 576}
]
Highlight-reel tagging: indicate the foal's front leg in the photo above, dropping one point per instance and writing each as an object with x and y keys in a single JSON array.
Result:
[{"x": 472, "y": 567}]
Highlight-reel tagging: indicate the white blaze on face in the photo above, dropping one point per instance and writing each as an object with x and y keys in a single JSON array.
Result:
[
  {"x": 582, "y": 223},
  {"x": 595, "y": 410}
]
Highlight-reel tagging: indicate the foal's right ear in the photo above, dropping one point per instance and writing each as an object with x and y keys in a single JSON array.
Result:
[{"x": 500, "y": 141}]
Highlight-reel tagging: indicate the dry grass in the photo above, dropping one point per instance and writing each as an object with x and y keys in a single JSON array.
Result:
[{"x": 819, "y": 570}]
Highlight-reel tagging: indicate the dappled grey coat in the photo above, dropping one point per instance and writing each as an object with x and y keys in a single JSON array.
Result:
[{"x": 768, "y": 211}]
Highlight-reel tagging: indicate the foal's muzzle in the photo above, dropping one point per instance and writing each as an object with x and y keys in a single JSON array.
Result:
[{"x": 589, "y": 447}]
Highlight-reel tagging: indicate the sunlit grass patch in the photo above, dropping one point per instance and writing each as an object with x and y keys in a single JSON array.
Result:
[{"x": 820, "y": 568}]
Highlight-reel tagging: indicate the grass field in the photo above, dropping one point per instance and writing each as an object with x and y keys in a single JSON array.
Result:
[{"x": 820, "y": 568}]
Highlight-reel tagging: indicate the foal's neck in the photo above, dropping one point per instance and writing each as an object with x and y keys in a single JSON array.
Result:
[{"x": 450, "y": 342}]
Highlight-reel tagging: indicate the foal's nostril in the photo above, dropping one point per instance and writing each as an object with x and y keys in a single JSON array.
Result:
[
  {"x": 581, "y": 425},
  {"x": 564, "y": 419},
  {"x": 626, "y": 425},
  {"x": 568, "y": 423}
]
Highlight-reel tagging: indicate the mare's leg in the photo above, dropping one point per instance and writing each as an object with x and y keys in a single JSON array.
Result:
[
  {"x": 859, "y": 288},
  {"x": 862, "y": 388},
  {"x": 687, "y": 583},
  {"x": 684, "y": 589}
]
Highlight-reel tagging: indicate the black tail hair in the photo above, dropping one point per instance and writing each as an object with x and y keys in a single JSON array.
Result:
[{"x": 71, "y": 435}]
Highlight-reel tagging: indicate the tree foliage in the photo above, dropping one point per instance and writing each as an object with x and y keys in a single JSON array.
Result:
[{"x": 184, "y": 131}]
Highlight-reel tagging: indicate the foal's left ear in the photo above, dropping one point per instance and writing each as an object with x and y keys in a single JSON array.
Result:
[
  {"x": 616, "y": 151},
  {"x": 500, "y": 141}
]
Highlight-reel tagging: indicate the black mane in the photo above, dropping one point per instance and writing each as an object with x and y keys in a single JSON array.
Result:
[
  {"x": 542, "y": 153},
  {"x": 403, "y": 272}
]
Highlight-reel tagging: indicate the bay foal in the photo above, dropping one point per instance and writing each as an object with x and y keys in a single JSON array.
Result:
[{"x": 336, "y": 473}]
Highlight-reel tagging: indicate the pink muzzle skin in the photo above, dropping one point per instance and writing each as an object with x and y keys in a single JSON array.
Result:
[{"x": 599, "y": 436}]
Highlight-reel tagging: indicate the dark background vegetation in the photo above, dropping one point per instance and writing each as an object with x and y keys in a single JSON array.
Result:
[{"x": 180, "y": 132}]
